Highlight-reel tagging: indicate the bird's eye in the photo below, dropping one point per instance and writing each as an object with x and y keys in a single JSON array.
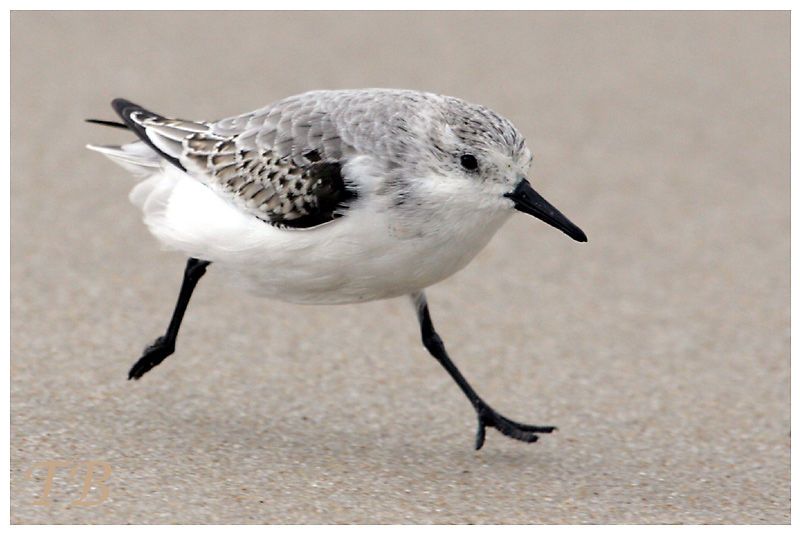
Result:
[{"x": 469, "y": 162}]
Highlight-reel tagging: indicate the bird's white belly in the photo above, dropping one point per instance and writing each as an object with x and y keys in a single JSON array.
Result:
[
  {"x": 359, "y": 257},
  {"x": 355, "y": 259}
]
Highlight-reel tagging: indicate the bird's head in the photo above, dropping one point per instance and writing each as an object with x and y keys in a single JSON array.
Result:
[{"x": 486, "y": 158}]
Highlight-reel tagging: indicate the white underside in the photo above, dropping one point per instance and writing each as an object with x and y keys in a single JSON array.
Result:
[{"x": 368, "y": 254}]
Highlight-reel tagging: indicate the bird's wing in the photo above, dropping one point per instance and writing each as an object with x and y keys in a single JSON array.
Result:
[{"x": 282, "y": 164}]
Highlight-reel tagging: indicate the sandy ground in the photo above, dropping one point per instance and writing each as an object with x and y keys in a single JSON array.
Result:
[{"x": 660, "y": 349}]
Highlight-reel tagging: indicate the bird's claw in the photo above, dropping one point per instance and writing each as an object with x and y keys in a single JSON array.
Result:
[
  {"x": 153, "y": 355},
  {"x": 488, "y": 417}
]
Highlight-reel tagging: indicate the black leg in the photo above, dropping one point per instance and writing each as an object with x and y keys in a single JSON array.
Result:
[
  {"x": 165, "y": 345},
  {"x": 486, "y": 415}
]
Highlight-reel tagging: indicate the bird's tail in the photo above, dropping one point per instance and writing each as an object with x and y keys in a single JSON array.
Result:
[
  {"x": 160, "y": 139},
  {"x": 137, "y": 158}
]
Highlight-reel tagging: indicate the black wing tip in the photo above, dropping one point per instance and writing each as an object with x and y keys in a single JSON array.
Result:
[
  {"x": 112, "y": 124},
  {"x": 123, "y": 106},
  {"x": 125, "y": 109}
]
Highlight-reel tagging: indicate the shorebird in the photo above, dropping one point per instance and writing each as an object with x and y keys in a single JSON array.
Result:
[{"x": 333, "y": 197}]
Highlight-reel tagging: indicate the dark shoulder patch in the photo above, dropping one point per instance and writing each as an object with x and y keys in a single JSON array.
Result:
[
  {"x": 313, "y": 156},
  {"x": 280, "y": 190},
  {"x": 326, "y": 196}
]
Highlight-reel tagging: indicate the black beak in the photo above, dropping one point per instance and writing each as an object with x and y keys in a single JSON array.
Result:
[{"x": 529, "y": 201}]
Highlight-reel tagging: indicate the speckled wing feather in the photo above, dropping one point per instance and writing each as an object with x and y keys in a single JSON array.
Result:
[
  {"x": 281, "y": 164},
  {"x": 335, "y": 125}
]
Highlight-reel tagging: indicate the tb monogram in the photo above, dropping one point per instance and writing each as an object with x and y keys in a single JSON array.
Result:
[{"x": 87, "y": 484}]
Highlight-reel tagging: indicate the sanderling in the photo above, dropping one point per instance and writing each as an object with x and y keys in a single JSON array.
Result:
[{"x": 333, "y": 197}]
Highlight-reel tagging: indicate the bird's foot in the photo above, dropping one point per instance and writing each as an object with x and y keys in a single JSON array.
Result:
[
  {"x": 488, "y": 417},
  {"x": 153, "y": 355}
]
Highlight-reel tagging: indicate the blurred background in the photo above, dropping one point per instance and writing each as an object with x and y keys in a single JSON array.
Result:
[{"x": 660, "y": 348}]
